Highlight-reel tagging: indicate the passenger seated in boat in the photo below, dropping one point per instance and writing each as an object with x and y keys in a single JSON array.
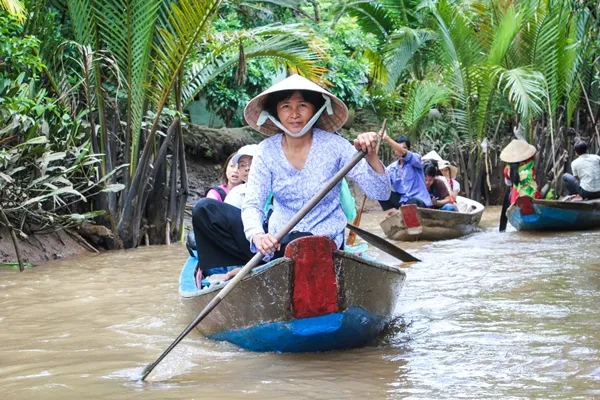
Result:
[
  {"x": 584, "y": 184},
  {"x": 293, "y": 165},
  {"x": 406, "y": 177},
  {"x": 447, "y": 171},
  {"x": 234, "y": 174},
  {"x": 520, "y": 171},
  {"x": 243, "y": 160},
  {"x": 440, "y": 196},
  {"x": 229, "y": 178}
]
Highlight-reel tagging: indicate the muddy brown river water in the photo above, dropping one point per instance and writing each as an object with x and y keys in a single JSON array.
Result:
[{"x": 493, "y": 315}]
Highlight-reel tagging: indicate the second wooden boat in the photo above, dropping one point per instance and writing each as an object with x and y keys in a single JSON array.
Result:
[
  {"x": 529, "y": 214},
  {"x": 413, "y": 223}
]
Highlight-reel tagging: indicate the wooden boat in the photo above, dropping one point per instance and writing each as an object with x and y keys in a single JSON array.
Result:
[
  {"x": 316, "y": 298},
  {"x": 529, "y": 214},
  {"x": 413, "y": 223}
]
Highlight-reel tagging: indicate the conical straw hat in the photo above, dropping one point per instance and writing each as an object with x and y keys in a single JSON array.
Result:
[
  {"x": 432, "y": 155},
  {"x": 517, "y": 151},
  {"x": 330, "y": 123}
]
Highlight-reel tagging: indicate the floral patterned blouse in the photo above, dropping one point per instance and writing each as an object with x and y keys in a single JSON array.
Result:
[
  {"x": 527, "y": 185},
  {"x": 292, "y": 188}
]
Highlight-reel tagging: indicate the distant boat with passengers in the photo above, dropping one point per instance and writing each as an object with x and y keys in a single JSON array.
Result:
[
  {"x": 528, "y": 214},
  {"x": 412, "y": 223}
]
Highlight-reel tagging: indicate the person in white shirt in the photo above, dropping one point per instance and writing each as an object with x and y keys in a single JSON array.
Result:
[
  {"x": 584, "y": 184},
  {"x": 449, "y": 173},
  {"x": 243, "y": 160}
]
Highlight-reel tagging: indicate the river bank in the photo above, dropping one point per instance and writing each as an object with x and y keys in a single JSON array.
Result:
[{"x": 39, "y": 248}]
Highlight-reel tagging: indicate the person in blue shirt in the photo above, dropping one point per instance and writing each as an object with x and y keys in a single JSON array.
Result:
[{"x": 406, "y": 177}]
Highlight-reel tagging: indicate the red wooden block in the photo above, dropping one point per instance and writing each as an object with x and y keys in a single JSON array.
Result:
[
  {"x": 315, "y": 287},
  {"x": 525, "y": 203},
  {"x": 411, "y": 219}
]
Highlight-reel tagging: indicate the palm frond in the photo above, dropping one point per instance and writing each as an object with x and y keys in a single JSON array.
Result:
[
  {"x": 127, "y": 26},
  {"x": 457, "y": 35},
  {"x": 504, "y": 35},
  {"x": 399, "y": 51},
  {"x": 286, "y": 45},
  {"x": 180, "y": 28},
  {"x": 373, "y": 18},
  {"x": 421, "y": 97},
  {"x": 460, "y": 52},
  {"x": 83, "y": 21},
  {"x": 14, "y": 8},
  {"x": 525, "y": 89},
  {"x": 579, "y": 60},
  {"x": 544, "y": 48}
]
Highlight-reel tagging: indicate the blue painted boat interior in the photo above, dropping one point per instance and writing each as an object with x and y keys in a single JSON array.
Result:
[
  {"x": 354, "y": 327},
  {"x": 187, "y": 281}
]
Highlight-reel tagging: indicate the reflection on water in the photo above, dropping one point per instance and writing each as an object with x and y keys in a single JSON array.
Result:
[{"x": 508, "y": 315}]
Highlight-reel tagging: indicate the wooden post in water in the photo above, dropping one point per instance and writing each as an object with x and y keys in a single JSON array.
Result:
[{"x": 6, "y": 222}]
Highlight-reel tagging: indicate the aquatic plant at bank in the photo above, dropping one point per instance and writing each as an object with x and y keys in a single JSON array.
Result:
[{"x": 46, "y": 164}]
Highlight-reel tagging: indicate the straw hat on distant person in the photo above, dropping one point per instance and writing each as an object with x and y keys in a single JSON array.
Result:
[
  {"x": 441, "y": 163},
  {"x": 332, "y": 119},
  {"x": 432, "y": 155},
  {"x": 517, "y": 150},
  {"x": 446, "y": 164}
]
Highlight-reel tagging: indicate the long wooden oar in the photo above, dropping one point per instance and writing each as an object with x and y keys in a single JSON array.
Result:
[
  {"x": 352, "y": 235},
  {"x": 383, "y": 244},
  {"x": 257, "y": 257}
]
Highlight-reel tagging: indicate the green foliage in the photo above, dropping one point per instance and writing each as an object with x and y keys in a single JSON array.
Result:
[
  {"x": 14, "y": 8},
  {"x": 420, "y": 98},
  {"x": 18, "y": 52},
  {"x": 346, "y": 64},
  {"x": 45, "y": 161},
  {"x": 226, "y": 99},
  {"x": 439, "y": 134}
]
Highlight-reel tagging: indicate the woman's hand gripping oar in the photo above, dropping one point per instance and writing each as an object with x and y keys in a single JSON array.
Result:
[
  {"x": 352, "y": 235},
  {"x": 258, "y": 256}
]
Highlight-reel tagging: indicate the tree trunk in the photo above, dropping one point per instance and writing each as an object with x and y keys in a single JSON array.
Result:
[{"x": 156, "y": 210}]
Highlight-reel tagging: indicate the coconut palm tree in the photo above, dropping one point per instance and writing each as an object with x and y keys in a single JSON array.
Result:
[
  {"x": 133, "y": 61},
  {"x": 533, "y": 56}
]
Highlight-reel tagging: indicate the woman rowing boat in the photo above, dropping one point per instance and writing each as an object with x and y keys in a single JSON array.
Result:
[
  {"x": 519, "y": 172},
  {"x": 301, "y": 154}
]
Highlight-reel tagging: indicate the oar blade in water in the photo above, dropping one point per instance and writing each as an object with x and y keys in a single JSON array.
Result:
[{"x": 383, "y": 244}]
